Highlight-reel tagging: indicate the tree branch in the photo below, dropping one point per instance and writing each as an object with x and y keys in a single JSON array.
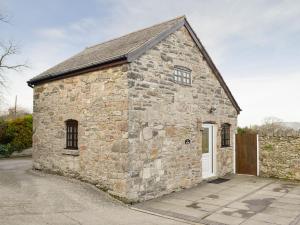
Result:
[
  {"x": 5, "y": 52},
  {"x": 15, "y": 67},
  {"x": 11, "y": 49}
]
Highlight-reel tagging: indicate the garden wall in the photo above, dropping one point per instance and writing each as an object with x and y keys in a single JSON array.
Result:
[{"x": 280, "y": 155}]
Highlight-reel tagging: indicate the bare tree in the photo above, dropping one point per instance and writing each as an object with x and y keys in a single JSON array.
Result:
[
  {"x": 6, "y": 51},
  {"x": 272, "y": 120},
  {"x": 272, "y": 124}
]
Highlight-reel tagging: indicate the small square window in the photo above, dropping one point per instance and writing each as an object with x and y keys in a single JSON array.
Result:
[{"x": 182, "y": 76}]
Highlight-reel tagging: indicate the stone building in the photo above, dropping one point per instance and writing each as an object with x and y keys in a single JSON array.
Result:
[{"x": 139, "y": 116}]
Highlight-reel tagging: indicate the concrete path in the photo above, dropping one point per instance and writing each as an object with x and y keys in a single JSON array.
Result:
[
  {"x": 28, "y": 198},
  {"x": 241, "y": 200}
]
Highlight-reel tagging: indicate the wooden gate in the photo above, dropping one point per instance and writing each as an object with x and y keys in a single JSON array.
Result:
[{"x": 246, "y": 154}]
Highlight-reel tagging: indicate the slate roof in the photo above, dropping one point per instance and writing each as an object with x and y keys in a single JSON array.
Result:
[
  {"x": 107, "y": 51},
  {"x": 125, "y": 49}
]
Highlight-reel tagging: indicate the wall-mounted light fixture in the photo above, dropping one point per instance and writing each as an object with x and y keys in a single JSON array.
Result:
[{"x": 187, "y": 141}]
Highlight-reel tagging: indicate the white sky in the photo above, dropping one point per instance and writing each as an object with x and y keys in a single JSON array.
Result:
[{"x": 255, "y": 44}]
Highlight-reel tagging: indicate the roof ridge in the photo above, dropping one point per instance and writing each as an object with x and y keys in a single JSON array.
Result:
[
  {"x": 157, "y": 35},
  {"x": 176, "y": 18}
]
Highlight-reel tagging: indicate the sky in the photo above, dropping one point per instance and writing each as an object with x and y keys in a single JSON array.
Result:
[{"x": 255, "y": 44}]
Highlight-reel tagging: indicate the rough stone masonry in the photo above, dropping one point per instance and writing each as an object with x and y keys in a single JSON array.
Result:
[
  {"x": 162, "y": 114},
  {"x": 133, "y": 120},
  {"x": 280, "y": 156}
]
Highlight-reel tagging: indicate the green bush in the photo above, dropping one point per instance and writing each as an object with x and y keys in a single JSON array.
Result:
[
  {"x": 4, "y": 150},
  {"x": 244, "y": 130},
  {"x": 15, "y": 135}
]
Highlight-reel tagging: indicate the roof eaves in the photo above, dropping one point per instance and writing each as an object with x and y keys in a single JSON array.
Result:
[{"x": 56, "y": 76}]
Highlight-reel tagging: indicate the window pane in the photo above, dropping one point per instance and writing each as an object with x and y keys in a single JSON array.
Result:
[
  {"x": 228, "y": 142},
  {"x": 179, "y": 79},
  {"x": 71, "y": 135},
  {"x": 182, "y": 76},
  {"x": 225, "y": 135},
  {"x": 205, "y": 140}
]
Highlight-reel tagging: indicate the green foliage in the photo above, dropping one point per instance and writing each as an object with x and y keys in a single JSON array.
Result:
[
  {"x": 243, "y": 130},
  {"x": 268, "y": 147},
  {"x": 15, "y": 135},
  {"x": 4, "y": 151}
]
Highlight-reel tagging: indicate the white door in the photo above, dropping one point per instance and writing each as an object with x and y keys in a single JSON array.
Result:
[{"x": 207, "y": 151}]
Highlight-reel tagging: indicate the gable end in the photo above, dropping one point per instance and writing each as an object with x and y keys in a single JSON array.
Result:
[
  {"x": 136, "y": 52},
  {"x": 131, "y": 56},
  {"x": 212, "y": 66}
]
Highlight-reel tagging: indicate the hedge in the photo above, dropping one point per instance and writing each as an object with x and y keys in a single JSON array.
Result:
[{"x": 15, "y": 135}]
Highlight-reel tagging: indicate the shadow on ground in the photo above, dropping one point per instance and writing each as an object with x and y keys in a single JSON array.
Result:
[{"x": 244, "y": 200}]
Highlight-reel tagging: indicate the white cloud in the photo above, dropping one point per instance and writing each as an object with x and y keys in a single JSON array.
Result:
[
  {"x": 84, "y": 25},
  {"x": 216, "y": 22},
  {"x": 266, "y": 96},
  {"x": 219, "y": 24},
  {"x": 52, "y": 33}
]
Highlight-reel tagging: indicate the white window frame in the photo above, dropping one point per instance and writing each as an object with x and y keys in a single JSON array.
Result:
[{"x": 182, "y": 75}]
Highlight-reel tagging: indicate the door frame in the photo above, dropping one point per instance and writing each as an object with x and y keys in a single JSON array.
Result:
[
  {"x": 213, "y": 135},
  {"x": 234, "y": 152},
  {"x": 257, "y": 154}
]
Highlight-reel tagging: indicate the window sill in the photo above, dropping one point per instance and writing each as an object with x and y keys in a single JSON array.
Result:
[
  {"x": 72, "y": 152},
  {"x": 225, "y": 147},
  {"x": 183, "y": 84},
  {"x": 71, "y": 148}
]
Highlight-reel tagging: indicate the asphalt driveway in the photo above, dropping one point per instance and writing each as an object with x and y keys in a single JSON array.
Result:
[
  {"x": 29, "y": 198},
  {"x": 34, "y": 198},
  {"x": 244, "y": 200}
]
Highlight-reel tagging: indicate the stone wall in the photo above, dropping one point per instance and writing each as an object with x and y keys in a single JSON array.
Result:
[
  {"x": 280, "y": 156},
  {"x": 162, "y": 114},
  {"x": 133, "y": 123},
  {"x": 99, "y": 102}
]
